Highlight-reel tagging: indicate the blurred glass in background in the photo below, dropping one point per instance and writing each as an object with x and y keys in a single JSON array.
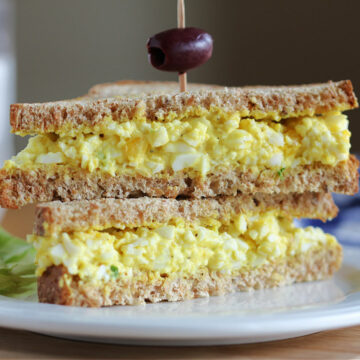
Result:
[{"x": 7, "y": 77}]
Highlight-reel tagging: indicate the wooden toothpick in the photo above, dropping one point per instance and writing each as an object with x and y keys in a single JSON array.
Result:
[
  {"x": 181, "y": 14},
  {"x": 181, "y": 25},
  {"x": 183, "y": 81}
]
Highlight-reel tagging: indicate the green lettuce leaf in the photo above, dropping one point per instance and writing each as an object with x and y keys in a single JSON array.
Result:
[{"x": 17, "y": 267}]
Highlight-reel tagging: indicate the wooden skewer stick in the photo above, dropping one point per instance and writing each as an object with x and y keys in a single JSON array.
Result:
[
  {"x": 181, "y": 25},
  {"x": 183, "y": 81},
  {"x": 181, "y": 14}
]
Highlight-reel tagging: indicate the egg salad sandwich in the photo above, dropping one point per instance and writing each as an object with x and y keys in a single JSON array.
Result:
[
  {"x": 131, "y": 251},
  {"x": 131, "y": 139}
]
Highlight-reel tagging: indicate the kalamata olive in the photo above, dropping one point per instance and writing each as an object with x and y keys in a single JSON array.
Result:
[{"x": 179, "y": 49}]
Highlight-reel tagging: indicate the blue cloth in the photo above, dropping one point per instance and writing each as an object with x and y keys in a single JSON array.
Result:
[{"x": 346, "y": 226}]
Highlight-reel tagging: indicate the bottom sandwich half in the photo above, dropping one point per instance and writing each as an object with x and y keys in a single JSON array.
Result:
[{"x": 127, "y": 252}]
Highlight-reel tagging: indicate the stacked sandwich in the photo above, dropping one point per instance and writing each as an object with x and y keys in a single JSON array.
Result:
[{"x": 158, "y": 195}]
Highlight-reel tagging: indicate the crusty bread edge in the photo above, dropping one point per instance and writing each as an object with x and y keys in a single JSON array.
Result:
[
  {"x": 286, "y": 101},
  {"x": 56, "y": 217},
  {"x": 96, "y": 89},
  {"x": 20, "y": 187}
]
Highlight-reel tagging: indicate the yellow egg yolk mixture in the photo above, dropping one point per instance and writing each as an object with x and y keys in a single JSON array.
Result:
[
  {"x": 178, "y": 248},
  {"x": 212, "y": 141}
]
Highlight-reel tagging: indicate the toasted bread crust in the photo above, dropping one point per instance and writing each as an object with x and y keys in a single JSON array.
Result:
[
  {"x": 56, "y": 286},
  {"x": 102, "y": 101},
  {"x": 141, "y": 88},
  {"x": 56, "y": 216},
  {"x": 20, "y": 187}
]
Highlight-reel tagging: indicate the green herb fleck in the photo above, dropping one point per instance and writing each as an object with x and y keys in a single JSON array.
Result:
[
  {"x": 115, "y": 271},
  {"x": 281, "y": 173},
  {"x": 101, "y": 155}
]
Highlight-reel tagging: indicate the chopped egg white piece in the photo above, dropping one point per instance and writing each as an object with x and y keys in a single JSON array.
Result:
[
  {"x": 198, "y": 144},
  {"x": 178, "y": 248}
]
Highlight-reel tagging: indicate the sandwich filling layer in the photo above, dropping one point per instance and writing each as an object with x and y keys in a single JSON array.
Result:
[
  {"x": 178, "y": 248},
  {"x": 197, "y": 144}
]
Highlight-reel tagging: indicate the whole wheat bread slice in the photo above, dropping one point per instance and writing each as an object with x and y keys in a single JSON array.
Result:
[
  {"x": 56, "y": 217},
  {"x": 156, "y": 100},
  {"x": 47, "y": 183},
  {"x": 57, "y": 286}
]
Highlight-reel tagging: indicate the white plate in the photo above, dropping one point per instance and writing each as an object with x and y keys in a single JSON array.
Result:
[{"x": 257, "y": 316}]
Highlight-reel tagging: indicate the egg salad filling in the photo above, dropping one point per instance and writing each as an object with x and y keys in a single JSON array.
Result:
[
  {"x": 199, "y": 144},
  {"x": 178, "y": 248}
]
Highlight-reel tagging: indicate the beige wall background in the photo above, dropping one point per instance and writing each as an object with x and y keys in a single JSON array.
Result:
[{"x": 64, "y": 47}]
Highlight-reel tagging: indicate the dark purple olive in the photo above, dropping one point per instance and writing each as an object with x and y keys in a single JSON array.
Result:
[{"x": 179, "y": 49}]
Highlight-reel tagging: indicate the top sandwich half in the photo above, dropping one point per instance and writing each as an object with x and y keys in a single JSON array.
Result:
[{"x": 145, "y": 138}]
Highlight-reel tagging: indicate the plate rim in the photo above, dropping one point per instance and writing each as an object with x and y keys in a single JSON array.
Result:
[{"x": 32, "y": 316}]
